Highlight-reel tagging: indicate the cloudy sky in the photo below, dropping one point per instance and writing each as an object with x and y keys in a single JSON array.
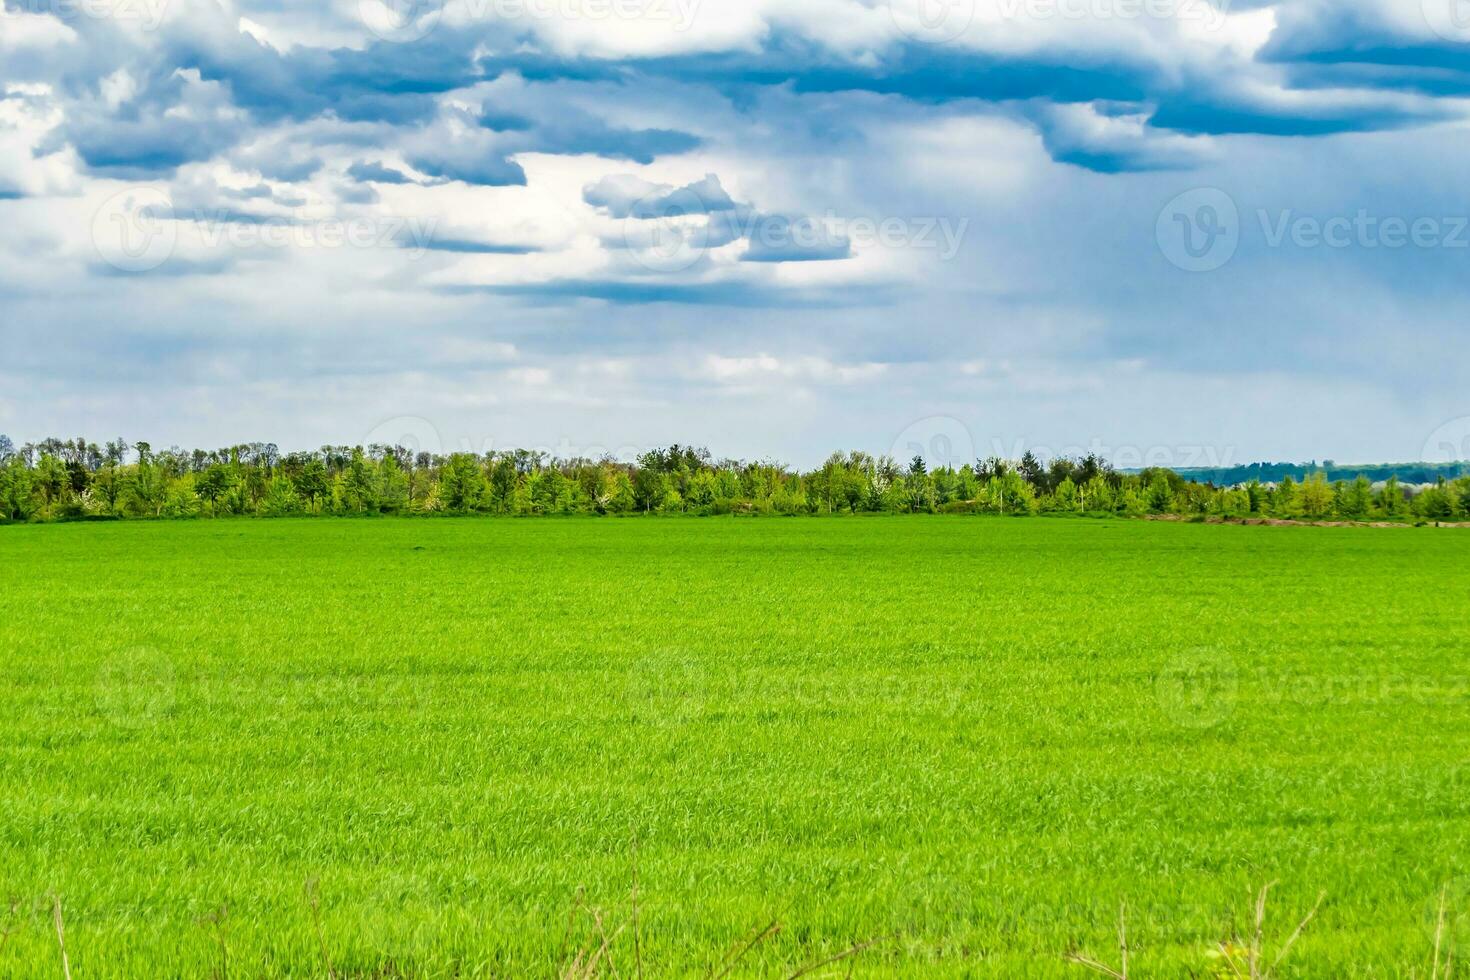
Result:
[{"x": 1171, "y": 229}]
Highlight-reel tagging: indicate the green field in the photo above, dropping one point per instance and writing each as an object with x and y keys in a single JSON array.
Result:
[{"x": 427, "y": 747}]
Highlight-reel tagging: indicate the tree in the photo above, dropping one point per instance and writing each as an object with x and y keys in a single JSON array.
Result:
[
  {"x": 51, "y": 478},
  {"x": 1436, "y": 503},
  {"x": 1258, "y": 496},
  {"x": 1098, "y": 495},
  {"x": 360, "y": 484},
  {"x": 462, "y": 485},
  {"x": 621, "y": 499},
  {"x": 649, "y": 488},
  {"x": 58, "y": 478},
  {"x": 280, "y": 497},
  {"x": 213, "y": 483},
  {"x": 1315, "y": 498},
  {"x": 1067, "y": 496},
  {"x": 1061, "y": 469},
  {"x": 109, "y": 485},
  {"x": 181, "y": 500},
  {"x": 145, "y": 491},
  {"x": 17, "y": 502},
  {"x": 1357, "y": 498},
  {"x": 392, "y": 486},
  {"x": 116, "y": 452},
  {"x": 966, "y": 487},
  {"x": 312, "y": 484},
  {"x": 1390, "y": 499},
  {"x": 1010, "y": 494},
  {"x": 1160, "y": 496},
  {"x": 505, "y": 474},
  {"x": 1032, "y": 471},
  {"x": 1286, "y": 503}
]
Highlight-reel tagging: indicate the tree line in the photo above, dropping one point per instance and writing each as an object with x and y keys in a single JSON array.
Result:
[
  {"x": 58, "y": 479},
  {"x": 1419, "y": 474}
]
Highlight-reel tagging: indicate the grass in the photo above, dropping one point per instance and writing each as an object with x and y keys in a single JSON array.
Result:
[{"x": 924, "y": 747}]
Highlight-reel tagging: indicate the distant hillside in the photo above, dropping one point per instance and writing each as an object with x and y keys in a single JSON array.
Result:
[{"x": 1410, "y": 473}]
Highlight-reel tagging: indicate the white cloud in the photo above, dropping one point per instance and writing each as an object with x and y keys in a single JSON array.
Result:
[
  {"x": 765, "y": 368},
  {"x": 20, "y": 31}
]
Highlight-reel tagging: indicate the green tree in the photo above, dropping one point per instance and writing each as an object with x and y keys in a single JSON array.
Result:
[
  {"x": 17, "y": 491},
  {"x": 213, "y": 483},
  {"x": 462, "y": 484},
  {"x": 1390, "y": 500},
  {"x": 1160, "y": 496},
  {"x": 1285, "y": 502},
  {"x": 359, "y": 484},
  {"x": 313, "y": 485},
  {"x": 392, "y": 490},
  {"x": 1435, "y": 503},
  {"x": 649, "y": 488},
  {"x": 1315, "y": 497},
  {"x": 1357, "y": 499},
  {"x": 1068, "y": 498},
  {"x": 1032, "y": 471},
  {"x": 181, "y": 500},
  {"x": 620, "y": 498},
  {"x": 280, "y": 497}
]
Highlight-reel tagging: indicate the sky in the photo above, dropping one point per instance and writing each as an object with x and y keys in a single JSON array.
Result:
[{"x": 1174, "y": 232}]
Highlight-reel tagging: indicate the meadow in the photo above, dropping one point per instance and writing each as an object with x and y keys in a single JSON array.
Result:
[{"x": 926, "y": 746}]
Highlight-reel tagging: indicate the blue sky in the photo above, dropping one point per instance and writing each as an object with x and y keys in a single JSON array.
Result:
[{"x": 1172, "y": 230}]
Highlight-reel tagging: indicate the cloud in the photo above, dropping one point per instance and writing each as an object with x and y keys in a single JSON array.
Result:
[
  {"x": 540, "y": 126},
  {"x": 487, "y": 171},
  {"x": 573, "y": 165},
  {"x": 503, "y": 122},
  {"x": 1113, "y": 139},
  {"x": 639, "y": 146},
  {"x": 781, "y": 238},
  {"x": 174, "y": 267},
  {"x": 730, "y": 293},
  {"x": 766, "y": 367},
  {"x": 1289, "y": 114},
  {"x": 771, "y": 238},
  {"x": 465, "y": 246},
  {"x": 1374, "y": 45},
  {"x": 376, "y": 173},
  {"x": 154, "y": 130},
  {"x": 626, "y": 196}
]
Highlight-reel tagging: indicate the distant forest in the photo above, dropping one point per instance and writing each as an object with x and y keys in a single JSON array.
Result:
[
  {"x": 60, "y": 479},
  {"x": 1416, "y": 474}
]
